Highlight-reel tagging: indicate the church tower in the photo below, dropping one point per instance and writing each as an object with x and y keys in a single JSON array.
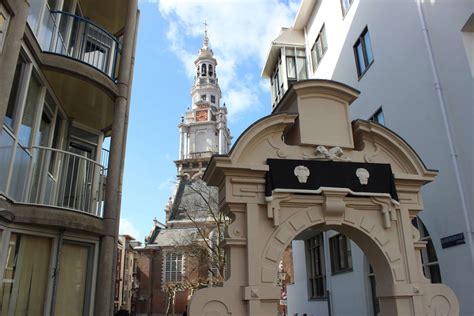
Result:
[{"x": 203, "y": 128}]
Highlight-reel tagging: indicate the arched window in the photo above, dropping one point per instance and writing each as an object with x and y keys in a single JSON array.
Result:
[
  {"x": 203, "y": 69},
  {"x": 211, "y": 72},
  {"x": 428, "y": 254}
]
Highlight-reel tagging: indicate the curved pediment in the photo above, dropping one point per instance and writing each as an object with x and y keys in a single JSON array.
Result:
[{"x": 277, "y": 137}]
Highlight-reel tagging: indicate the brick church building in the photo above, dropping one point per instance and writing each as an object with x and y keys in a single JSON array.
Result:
[{"x": 183, "y": 254}]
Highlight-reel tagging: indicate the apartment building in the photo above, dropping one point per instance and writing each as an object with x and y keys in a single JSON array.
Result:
[
  {"x": 65, "y": 80},
  {"x": 126, "y": 282},
  {"x": 413, "y": 63}
]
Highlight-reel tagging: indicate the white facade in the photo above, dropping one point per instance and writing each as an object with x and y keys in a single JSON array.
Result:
[{"x": 420, "y": 75}]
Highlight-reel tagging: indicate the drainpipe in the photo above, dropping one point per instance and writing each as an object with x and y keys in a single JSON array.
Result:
[
  {"x": 11, "y": 51},
  {"x": 108, "y": 245},
  {"x": 447, "y": 124}
]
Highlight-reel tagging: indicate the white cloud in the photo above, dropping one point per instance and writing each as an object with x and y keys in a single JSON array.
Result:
[
  {"x": 127, "y": 228},
  {"x": 240, "y": 33}
]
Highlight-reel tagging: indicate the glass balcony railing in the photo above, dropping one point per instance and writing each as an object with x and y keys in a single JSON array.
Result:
[
  {"x": 78, "y": 38},
  {"x": 65, "y": 179}
]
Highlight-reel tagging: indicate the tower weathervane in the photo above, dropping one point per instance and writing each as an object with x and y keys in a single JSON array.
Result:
[{"x": 206, "y": 39}]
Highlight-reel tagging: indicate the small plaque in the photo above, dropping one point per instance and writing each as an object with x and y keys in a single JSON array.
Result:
[{"x": 453, "y": 240}]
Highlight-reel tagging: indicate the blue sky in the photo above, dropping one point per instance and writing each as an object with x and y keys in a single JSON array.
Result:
[{"x": 170, "y": 35}]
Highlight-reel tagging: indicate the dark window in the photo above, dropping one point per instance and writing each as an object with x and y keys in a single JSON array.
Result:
[
  {"x": 203, "y": 69},
  {"x": 378, "y": 117},
  {"x": 340, "y": 250},
  {"x": 428, "y": 254},
  {"x": 316, "y": 270},
  {"x": 319, "y": 48},
  {"x": 363, "y": 53},
  {"x": 211, "y": 71},
  {"x": 203, "y": 97},
  {"x": 13, "y": 100},
  {"x": 373, "y": 292},
  {"x": 345, "y": 5},
  {"x": 213, "y": 99}
]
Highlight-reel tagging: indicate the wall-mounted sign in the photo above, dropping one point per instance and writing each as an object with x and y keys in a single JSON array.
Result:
[{"x": 452, "y": 240}]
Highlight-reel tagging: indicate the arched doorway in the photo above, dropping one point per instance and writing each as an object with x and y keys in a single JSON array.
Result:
[{"x": 315, "y": 169}]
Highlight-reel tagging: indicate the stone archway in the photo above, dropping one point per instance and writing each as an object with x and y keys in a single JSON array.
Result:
[{"x": 317, "y": 182}]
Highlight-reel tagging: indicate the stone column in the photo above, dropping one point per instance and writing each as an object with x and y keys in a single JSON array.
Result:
[
  {"x": 11, "y": 49},
  {"x": 104, "y": 296}
]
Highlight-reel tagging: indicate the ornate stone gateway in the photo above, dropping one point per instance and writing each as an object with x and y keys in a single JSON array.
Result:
[{"x": 307, "y": 166}]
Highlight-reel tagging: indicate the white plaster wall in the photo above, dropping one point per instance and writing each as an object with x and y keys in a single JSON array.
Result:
[
  {"x": 204, "y": 138},
  {"x": 347, "y": 289},
  {"x": 401, "y": 81},
  {"x": 298, "y": 302}
]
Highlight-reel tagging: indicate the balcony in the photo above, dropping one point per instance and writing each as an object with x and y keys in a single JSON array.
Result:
[
  {"x": 80, "y": 39},
  {"x": 58, "y": 178}
]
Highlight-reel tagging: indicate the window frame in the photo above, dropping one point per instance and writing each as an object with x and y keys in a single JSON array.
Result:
[
  {"x": 315, "y": 61},
  {"x": 165, "y": 270},
  {"x": 361, "y": 40},
  {"x": 425, "y": 257},
  {"x": 376, "y": 116},
  {"x": 314, "y": 247},
  {"x": 4, "y": 29},
  {"x": 346, "y": 9},
  {"x": 335, "y": 243}
]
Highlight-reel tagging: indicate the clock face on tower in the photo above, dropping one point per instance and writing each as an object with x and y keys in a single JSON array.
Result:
[{"x": 201, "y": 116}]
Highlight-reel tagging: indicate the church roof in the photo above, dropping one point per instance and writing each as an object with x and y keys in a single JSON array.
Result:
[
  {"x": 175, "y": 237},
  {"x": 193, "y": 199}
]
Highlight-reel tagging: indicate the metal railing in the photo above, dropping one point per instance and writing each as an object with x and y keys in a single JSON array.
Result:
[
  {"x": 75, "y": 37},
  {"x": 68, "y": 180}
]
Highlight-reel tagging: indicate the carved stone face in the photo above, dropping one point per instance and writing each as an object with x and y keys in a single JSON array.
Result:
[
  {"x": 363, "y": 175},
  {"x": 302, "y": 173}
]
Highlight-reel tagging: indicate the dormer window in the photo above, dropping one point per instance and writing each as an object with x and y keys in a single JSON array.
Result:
[
  {"x": 211, "y": 72},
  {"x": 203, "y": 70}
]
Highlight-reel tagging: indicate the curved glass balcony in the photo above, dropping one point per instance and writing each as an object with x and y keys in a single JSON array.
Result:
[
  {"x": 78, "y": 38},
  {"x": 65, "y": 179}
]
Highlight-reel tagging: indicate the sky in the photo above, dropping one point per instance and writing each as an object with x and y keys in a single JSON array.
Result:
[{"x": 170, "y": 35}]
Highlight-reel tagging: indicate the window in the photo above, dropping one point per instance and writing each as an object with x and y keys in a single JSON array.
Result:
[
  {"x": 203, "y": 69},
  {"x": 211, "y": 71},
  {"x": 4, "y": 20},
  {"x": 428, "y": 254},
  {"x": 315, "y": 264},
  {"x": 363, "y": 53},
  {"x": 468, "y": 41},
  {"x": 378, "y": 117},
  {"x": 174, "y": 267},
  {"x": 295, "y": 64},
  {"x": 373, "y": 292},
  {"x": 203, "y": 97},
  {"x": 213, "y": 98},
  {"x": 345, "y": 5},
  {"x": 74, "y": 279},
  {"x": 319, "y": 48},
  {"x": 26, "y": 276},
  {"x": 341, "y": 258}
]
